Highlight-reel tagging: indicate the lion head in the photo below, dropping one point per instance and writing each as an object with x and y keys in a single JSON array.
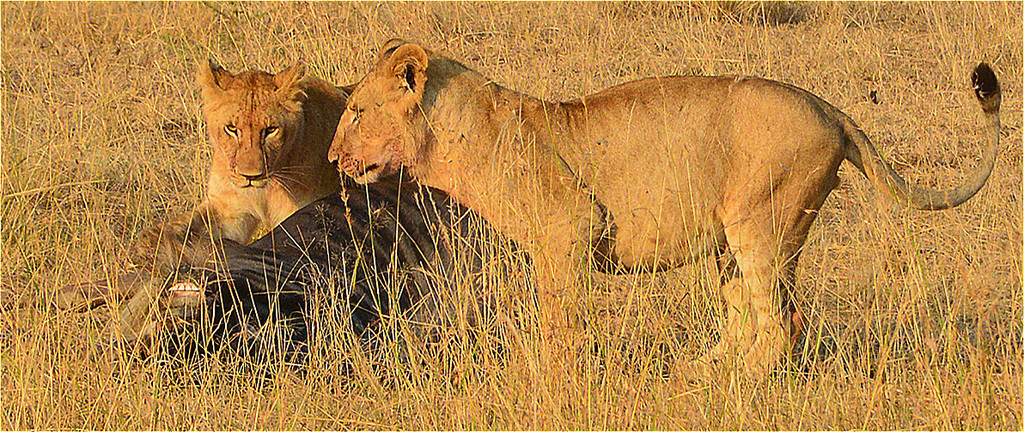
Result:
[
  {"x": 252, "y": 119},
  {"x": 377, "y": 133}
]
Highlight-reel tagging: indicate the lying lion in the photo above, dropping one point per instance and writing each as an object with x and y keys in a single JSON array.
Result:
[
  {"x": 270, "y": 134},
  {"x": 650, "y": 174}
]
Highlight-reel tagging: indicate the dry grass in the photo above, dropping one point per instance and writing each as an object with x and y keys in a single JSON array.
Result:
[{"x": 915, "y": 317}]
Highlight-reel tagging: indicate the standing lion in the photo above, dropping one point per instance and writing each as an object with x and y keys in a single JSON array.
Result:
[{"x": 650, "y": 174}]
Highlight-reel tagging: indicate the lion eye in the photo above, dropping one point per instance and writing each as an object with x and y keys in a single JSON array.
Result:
[
  {"x": 269, "y": 130},
  {"x": 231, "y": 130}
]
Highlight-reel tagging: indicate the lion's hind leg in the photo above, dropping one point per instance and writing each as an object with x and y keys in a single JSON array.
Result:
[
  {"x": 769, "y": 319},
  {"x": 758, "y": 327},
  {"x": 736, "y": 336}
]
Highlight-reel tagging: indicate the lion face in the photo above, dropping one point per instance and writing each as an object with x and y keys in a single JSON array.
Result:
[
  {"x": 376, "y": 134},
  {"x": 252, "y": 118}
]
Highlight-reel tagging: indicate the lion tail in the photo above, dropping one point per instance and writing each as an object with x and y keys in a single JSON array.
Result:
[{"x": 864, "y": 156}]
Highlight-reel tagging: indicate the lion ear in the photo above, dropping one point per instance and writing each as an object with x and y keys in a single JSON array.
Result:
[
  {"x": 210, "y": 76},
  {"x": 389, "y": 47},
  {"x": 408, "y": 63},
  {"x": 288, "y": 77},
  {"x": 287, "y": 84}
]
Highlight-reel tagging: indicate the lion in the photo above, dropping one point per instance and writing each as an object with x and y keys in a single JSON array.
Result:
[
  {"x": 270, "y": 134},
  {"x": 647, "y": 175}
]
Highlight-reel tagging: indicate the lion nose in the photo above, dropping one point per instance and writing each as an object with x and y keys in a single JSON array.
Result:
[
  {"x": 250, "y": 167},
  {"x": 334, "y": 153}
]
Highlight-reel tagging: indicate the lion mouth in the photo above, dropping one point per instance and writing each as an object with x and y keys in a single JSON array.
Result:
[
  {"x": 259, "y": 182},
  {"x": 368, "y": 169},
  {"x": 368, "y": 174},
  {"x": 362, "y": 173}
]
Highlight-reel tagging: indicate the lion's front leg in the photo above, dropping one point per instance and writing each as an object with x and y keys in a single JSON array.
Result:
[
  {"x": 137, "y": 323},
  {"x": 189, "y": 242},
  {"x": 564, "y": 246},
  {"x": 558, "y": 270},
  {"x": 557, "y": 346},
  {"x": 192, "y": 239}
]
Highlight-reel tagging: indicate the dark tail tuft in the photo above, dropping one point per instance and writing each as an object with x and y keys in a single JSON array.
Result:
[{"x": 986, "y": 88}]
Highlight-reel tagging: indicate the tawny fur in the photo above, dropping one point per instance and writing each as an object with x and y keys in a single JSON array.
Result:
[
  {"x": 270, "y": 134},
  {"x": 650, "y": 174}
]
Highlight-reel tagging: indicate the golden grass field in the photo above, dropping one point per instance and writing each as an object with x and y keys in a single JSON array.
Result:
[{"x": 915, "y": 319}]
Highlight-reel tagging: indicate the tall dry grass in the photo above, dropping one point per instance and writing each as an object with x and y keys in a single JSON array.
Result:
[{"x": 915, "y": 318}]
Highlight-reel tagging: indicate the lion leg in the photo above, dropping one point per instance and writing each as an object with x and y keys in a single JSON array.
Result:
[
  {"x": 558, "y": 262},
  {"x": 82, "y": 296},
  {"x": 758, "y": 326},
  {"x": 88, "y": 295},
  {"x": 736, "y": 336},
  {"x": 560, "y": 249},
  {"x": 558, "y": 290},
  {"x": 134, "y": 323},
  {"x": 771, "y": 322}
]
